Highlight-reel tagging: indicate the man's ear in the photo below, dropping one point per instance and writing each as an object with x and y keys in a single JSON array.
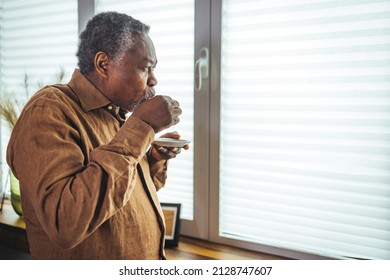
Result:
[{"x": 101, "y": 64}]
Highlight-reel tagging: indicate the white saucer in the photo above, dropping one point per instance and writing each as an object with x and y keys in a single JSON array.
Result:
[{"x": 170, "y": 142}]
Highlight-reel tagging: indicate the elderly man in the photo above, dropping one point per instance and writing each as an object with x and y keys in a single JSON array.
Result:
[{"x": 89, "y": 175}]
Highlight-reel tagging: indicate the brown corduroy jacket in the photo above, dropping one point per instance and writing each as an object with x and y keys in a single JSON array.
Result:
[{"x": 88, "y": 187}]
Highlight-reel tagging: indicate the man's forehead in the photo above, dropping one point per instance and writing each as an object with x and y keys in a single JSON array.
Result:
[{"x": 144, "y": 48}]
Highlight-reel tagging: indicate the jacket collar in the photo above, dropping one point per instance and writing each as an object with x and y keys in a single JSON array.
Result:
[{"x": 90, "y": 97}]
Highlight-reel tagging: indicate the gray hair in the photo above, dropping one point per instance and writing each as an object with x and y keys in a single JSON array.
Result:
[{"x": 109, "y": 32}]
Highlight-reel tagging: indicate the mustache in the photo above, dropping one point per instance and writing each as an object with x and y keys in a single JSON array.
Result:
[{"x": 150, "y": 93}]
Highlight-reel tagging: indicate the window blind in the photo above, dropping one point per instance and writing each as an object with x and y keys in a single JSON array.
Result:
[
  {"x": 172, "y": 32},
  {"x": 38, "y": 39},
  {"x": 305, "y": 126}
]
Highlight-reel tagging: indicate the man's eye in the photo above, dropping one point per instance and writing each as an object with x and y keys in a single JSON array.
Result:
[{"x": 148, "y": 69}]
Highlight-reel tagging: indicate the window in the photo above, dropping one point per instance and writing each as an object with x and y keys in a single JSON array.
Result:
[
  {"x": 174, "y": 25},
  {"x": 304, "y": 143}
]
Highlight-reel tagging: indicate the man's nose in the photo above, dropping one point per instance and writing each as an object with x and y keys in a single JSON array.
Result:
[{"x": 152, "y": 80}]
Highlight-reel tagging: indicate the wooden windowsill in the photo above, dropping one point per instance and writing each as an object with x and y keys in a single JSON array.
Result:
[
  {"x": 195, "y": 249},
  {"x": 9, "y": 218}
]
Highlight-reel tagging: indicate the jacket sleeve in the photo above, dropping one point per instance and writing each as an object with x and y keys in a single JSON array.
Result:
[
  {"x": 158, "y": 172},
  {"x": 72, "y": 196}
]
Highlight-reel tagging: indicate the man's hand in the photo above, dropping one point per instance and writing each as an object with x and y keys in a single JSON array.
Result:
[
  {"x": 160, "y": 112},
  {"x": 164, "y": 153}
]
